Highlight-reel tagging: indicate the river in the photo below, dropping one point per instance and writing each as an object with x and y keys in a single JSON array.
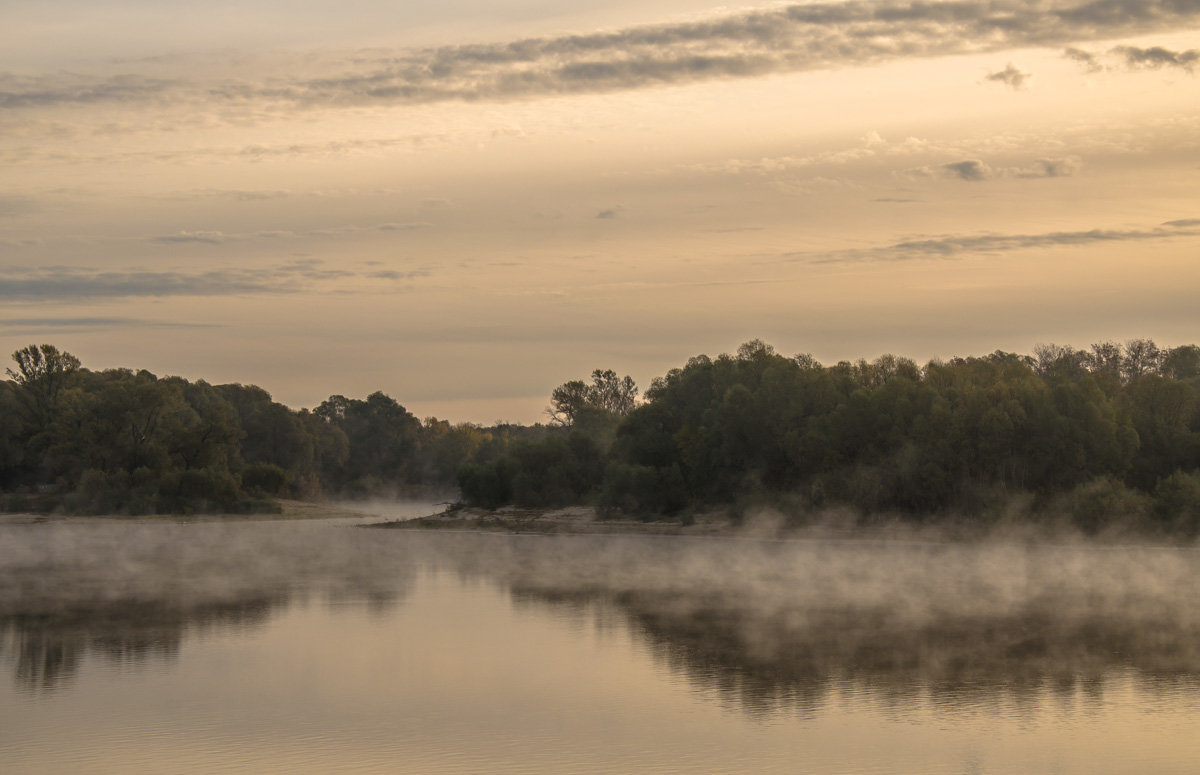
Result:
[{"x": 320, "y": 647}]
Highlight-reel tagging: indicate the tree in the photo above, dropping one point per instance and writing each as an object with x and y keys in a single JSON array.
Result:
[
  {"x": 613, "y": 394},
  {"x": 1182, "y": 362},
  {"x": 1051, "y": 360},
  {"x": 608, "y": 393},
  {"x": 383, "y": 441},
  {"x": 1142, "y": 356},
  {"x": 42, "y": 371},
  {"x": 567, "y": 401}
]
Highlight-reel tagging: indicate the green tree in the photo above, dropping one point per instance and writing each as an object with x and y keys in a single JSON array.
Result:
[
  {"x": 42, "y": 373},
  {"x": 607, "y": 393}
]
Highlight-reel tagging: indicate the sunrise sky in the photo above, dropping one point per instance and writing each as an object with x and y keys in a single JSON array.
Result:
[{"x": 464, "y": 203}]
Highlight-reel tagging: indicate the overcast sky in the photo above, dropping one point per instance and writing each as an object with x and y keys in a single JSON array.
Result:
[{"x": 465, "y": 203}]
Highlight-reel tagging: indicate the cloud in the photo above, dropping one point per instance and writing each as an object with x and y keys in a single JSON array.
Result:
[
  {"x": 974, "y": 170},
  {"x": 403, "y": 226},
  {"x": 11, "y": 205},
  {"x": 1011, "y": 76},
  {"x": 1135, "y": 58},
  {"x": 1086, "y": 58},
  {"x": 96, "y": 322},
  {"x": 243, "y": 195},
  {"x": 391, "y": 274},
  {"x": 957, "y": 245},
  {"x": 1049, "y": 168},
  {"x": 792, "y": 38},
  {"x": 68, "y": 88},
  {"x": 788, "y": 39},
  {"x": 311, "y": 269},
  {"x": 608, "y": 214},
  {"x": 971, "y": 170},
  {"x": 1157, "y": 56},
  {"x": 206, "y": 237},
  {"x": 81, "y": 284},
  {"x": 219, "y": 238},
  {"x": 62, "y": 283}
]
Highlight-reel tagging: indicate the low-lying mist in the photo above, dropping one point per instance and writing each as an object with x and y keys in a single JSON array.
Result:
[
  {"x": 763, "y": 621},
  {"x": 131, "y": 590}
]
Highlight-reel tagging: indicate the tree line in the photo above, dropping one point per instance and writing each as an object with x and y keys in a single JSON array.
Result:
[
  {"x": 1095, "y": 436},
  {"x": 1107, "y": 433},
  {"x": 120, "y": 441}
]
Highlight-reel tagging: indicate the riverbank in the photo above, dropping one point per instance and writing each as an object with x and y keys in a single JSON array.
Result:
[
  {"x": 570, "y": 520},
  {"x": 288, "y": 510},
  {"x": 765, "y": 524},
  {"x": 769, "y": 524},
  {"x": 761, "y": 524}
]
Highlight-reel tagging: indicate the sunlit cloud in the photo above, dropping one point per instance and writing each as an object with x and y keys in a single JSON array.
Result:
[
  {"x": 958, "y": 245},
  {"x": 518, "y": 177},
  {"x": 741, "y": 45}
]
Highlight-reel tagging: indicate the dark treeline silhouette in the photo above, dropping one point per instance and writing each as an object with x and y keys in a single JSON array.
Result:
[
  {"x": 118, "y": 441},
  {"x": 1099, "y": 435}
]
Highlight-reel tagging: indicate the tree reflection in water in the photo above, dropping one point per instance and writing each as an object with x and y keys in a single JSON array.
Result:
[
  {"x": 762, "y": 626},
  {"x": 49, "y": 644},
  {"x": 784, "y": 627},
  {"x": 130, "y": 593}
]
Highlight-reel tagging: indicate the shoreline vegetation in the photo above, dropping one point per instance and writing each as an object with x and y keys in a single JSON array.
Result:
[
  {"x": 1100, "y": 441},
  {"x": 771, "y": 525},
  {"x": 835, "y": 526}
]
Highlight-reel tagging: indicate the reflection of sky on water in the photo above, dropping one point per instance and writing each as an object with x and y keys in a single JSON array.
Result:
[
  {"x": 757, "y": 622},
  {"x": 309, "y": 647}
]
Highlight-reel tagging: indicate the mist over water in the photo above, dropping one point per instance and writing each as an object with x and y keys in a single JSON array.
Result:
[
  {"x": 131, "y": 590},
  {"x": 766, "y": 629}
]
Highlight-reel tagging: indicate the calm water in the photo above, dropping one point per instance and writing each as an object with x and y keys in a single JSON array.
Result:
[{"x": 318, "y": 648}]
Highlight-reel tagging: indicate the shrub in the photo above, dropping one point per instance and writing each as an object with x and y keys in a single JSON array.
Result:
[
  {"x": 1177, "y": 503},
  {"x": 266, "y": 478},
  {"x": 1102, "y": 503}
]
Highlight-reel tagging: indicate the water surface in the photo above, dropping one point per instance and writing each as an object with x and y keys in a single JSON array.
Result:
[{"x": 318, "y": 647}]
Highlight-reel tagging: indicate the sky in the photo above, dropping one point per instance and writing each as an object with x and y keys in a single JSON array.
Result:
[{"x": 465, "y": 203}]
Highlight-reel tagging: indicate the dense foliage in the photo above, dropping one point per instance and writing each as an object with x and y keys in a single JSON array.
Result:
[
  {"x": 1109, "y": 433},
  {"x": 120, "y": 441}
]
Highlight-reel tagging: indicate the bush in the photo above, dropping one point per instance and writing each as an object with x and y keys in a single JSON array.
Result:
[
  {"x": 204, "y": 490},
  {"x": 1102, "y": 503},
  {"x": 644, "y": 491},
  {"x": 551, "y": 472},
  {"x": 1177, "y": 503},
  {"x": 266, "y": 478},
  {"x": 486, "y": 484}
]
